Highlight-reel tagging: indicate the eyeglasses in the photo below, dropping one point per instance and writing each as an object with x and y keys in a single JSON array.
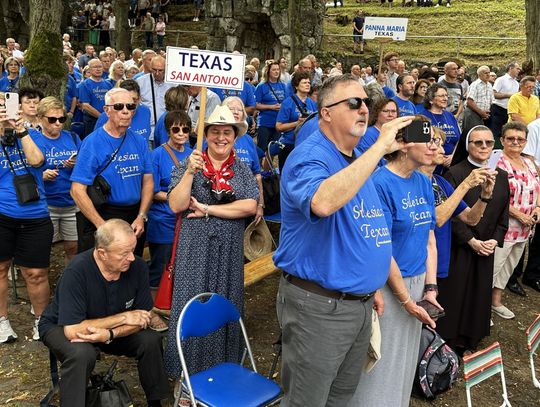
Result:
[
  {"x": 388, "y": 111},
  {"x": 352, "y": 103},
  {"x": 480, "y": 143},
  {"x": 434, "y": 141},
  {"x": 52, "y": 119},
  {"x": 120, "y": 106},
  {"x": 176, "y": 129},
  {"x": 519, "y": 140}
]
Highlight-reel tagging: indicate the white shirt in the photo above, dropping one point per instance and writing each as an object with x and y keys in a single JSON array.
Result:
[
  {"x": 532, "y": 147},
  {"x": 505, "y": 84},
  {"x": 159, "y": 93},
  {"x": 112, "y": 22},
  {"x": 482, "y": 94},
  {"x": 212, "y": 100}
]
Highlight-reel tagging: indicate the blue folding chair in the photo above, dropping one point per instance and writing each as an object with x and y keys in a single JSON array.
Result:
[{"x": 226, "y": 384}]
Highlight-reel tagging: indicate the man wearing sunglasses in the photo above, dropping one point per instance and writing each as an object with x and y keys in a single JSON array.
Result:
[
  {"x": 122, "y": 158},
  {"x": 334, "y": 249}
]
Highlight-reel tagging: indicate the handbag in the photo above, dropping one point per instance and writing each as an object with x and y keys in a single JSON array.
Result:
[
  {"x": 104, "y": 392},
  {"x": 100, "y": 189},
  {"x": 270, "y": 184},
  {"x": 25, "y": 185}
]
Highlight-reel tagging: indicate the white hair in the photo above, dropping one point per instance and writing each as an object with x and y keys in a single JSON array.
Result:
[{"x": 114, "y": 91}]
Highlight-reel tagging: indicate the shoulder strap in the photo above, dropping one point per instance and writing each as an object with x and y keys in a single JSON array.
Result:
[
  {"x": 169, "y": 150},
  {"x": 274, "y": 93},
  {"x": 301, "y": 109},
  {"x": 153, "y": 98},
  {"x": 9, "y": 160},
  {"x": 113, "y": 155}
]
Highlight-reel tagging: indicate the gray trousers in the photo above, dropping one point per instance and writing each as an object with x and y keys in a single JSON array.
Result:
[{"x": 325, "y": 342}]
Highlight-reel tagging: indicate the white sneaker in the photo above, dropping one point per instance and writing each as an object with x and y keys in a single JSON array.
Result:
[
  {"x": 7, "y": 334},
  {"x": 35, "y": 330},
  {"x": 436, "y": 5},
  {"x": 503, "y": 312},
  {"x": 448, "y": 5}
]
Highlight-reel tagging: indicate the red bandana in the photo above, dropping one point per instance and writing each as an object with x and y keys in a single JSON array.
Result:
[{"x": 219, "y": 179}]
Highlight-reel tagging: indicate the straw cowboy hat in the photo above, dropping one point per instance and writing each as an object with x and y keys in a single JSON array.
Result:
[
  {"x": 222, "y": 116},
  {"x": 257, "y": 240}
]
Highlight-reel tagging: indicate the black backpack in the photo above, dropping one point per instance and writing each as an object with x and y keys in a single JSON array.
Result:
[{"x": 438, "y": 366}]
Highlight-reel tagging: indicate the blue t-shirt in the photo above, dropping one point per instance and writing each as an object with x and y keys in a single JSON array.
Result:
[
  {"x": 348, "y": 251},
  {"x": 289, "y": 113},
  {"x": 9, "y": 85},
  {"x": 93, "y": 93},
  {"x": 447, "y": 123},
  {"x": 419, "y": 107},
  {"x": 9, "y": 206},
  {"x": 406, "y": 107},
  {"x": 388, "y": 92},
  {"x": 265, "y": 96},
  {"x": 246, "y": 151},
  {"x": 161, "y": 219},
  {"x": 124, "y": 174},
  {"x": 160, "y": 132},
  {"x": 410, "y": 213},
  {"x": 71, "y": 92},
  {"x": 140, "y": 123},
  {"x": 247, "y": 94},
  {"x": 368, "y": 139},
  {"x": 57, "y": 151},
  {"x": 443, "y": 234},
  {"x": 308, "y": 128}
]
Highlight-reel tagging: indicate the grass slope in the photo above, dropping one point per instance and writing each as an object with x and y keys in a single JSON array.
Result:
[{"x": 479, "y": 18}]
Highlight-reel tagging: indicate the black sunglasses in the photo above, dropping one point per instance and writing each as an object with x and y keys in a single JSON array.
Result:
[
  {"x": 352, "y": 103},
  {"x": 120, "y": 106},
  {"x": 480, "y": 143},
  {"x": 176, "y": 129},
  {"x": 52, "y": 119}
]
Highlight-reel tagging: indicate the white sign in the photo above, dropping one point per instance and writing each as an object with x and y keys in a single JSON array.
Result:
[
  {"x": 382, "y": 27},
  {"x": 198, "y": 67}
]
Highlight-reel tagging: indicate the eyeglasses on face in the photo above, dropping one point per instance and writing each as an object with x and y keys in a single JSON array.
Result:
[
  {"x": 177, "y": 129},
  {"x": 52, "y": 119},
  {"x": 519, "y": 140},
  {"x": 353, "y": 103},
  {"x": 480, "y": 143},
  {"x": 434, "y": 141},
  {"x": 120, "y": 106}
]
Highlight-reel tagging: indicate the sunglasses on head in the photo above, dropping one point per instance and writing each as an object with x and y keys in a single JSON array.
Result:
[
  {"x": 353, "y": 103},
  {"x": 52, "y": 119},
  {"x": 176, "y": 129},
  {"x": 120, "y": 106}
]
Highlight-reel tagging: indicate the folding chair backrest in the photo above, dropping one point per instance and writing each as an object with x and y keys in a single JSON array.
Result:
[
  {"x": 481, "y": 365},
  {"x": 533, "y": 335},
  {"x": 202, "y": 318}
]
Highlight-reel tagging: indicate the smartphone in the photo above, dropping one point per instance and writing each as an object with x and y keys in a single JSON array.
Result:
[
  {"x": 494, "y": 159},
  {"x": 73, "y": 156},
  {"x": 431, "y": 309},
  {"x": 12, "y": 105},
  {"x": 419, "y": 131}
]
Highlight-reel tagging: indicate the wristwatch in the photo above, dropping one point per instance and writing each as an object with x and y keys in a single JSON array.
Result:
[
  {"x": 486, "y": 200},
  {"x": 21, "y": 134},
  {"x": 143, "y": 216},
  {"x": 111, "y": 337}
]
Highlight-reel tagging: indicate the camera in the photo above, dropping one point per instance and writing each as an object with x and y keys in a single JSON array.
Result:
[
  {"x": 305, "y": 115},
  {"x": 8, "y": 139},
  {"x": 419, "y": 131}
]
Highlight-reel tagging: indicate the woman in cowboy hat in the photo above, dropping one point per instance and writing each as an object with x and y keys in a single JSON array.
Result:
[{"x": 213, "y": 192}]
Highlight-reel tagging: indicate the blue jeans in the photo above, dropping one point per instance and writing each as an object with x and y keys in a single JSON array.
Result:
[{"x": 159, "y": 257}]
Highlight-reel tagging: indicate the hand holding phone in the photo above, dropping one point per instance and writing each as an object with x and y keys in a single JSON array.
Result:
[
  {"x": 12, "y": 105},
  {"x": 419, "y": 131},
  {"x": 494, "y": 159},
  {"x": 431, "y": 309}
]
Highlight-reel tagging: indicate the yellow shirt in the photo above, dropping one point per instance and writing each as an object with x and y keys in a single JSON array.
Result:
[{"x": 527, "y": 108}]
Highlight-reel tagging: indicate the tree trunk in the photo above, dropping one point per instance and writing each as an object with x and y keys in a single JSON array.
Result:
[
  {"x": 306, "y": 27},
  {"x": 532, "y": 28},
  {"x": 123, "y": 34},
  {"x": 15, "y": 19},
  {"x": 45, "y": 68}
]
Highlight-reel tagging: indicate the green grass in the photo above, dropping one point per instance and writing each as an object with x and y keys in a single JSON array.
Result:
[{"x": 478, "y": 18}]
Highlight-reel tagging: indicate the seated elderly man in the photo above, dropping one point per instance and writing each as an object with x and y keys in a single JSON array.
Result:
[{"x": 102, "y": 303}]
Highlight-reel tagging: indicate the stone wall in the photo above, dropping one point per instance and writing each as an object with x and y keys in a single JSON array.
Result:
[{"x": 262, "y": 28}]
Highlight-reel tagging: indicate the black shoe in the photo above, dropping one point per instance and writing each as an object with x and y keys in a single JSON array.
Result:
[
  {"x": 535, "y": 284},
  {"x": 516, "y": 288}
]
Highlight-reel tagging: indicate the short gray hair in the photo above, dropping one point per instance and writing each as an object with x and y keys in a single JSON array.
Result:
[
  {"x": 107, "y": 233},
  {"x": 329, "y": 85},
  {"x": 114, "y": 91}
]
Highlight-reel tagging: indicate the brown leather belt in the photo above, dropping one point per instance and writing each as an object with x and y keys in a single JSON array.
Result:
[{"x": 315, "y": 288}]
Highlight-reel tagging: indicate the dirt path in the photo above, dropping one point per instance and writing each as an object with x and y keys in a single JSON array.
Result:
[{"x": 24, "y": 365}]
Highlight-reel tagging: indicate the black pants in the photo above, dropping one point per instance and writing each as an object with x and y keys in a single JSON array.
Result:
[
  {"x": 532, "y": 271},
  {"x": 86, "y": 229},
  {"x": 499, "y": 117},
  {"x": 78, "y": 361},
  {"x": 283, "y": 154}
]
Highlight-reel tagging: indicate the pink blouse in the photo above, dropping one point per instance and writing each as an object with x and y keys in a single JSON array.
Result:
[{"x": 524, "y": 189}]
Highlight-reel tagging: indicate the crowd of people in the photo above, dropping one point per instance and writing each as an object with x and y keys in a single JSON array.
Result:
[{"x": 370, "y": 222}]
